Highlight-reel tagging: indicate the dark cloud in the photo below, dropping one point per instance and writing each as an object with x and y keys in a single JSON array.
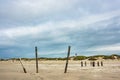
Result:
[{"x": 85, "y": 26}]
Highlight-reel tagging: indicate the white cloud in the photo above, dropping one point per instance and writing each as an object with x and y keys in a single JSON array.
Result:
[
  {"x": 51, "y": 31},
  {"x": 91, "y": 19},
  {"x": 34, "y": 9},
  {"x": 114, "y": 47},
  {"x": 56, "y": 27}
]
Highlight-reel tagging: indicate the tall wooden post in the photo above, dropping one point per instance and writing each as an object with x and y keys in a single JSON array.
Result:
[
  {"x": 36, "y": 59},
  {"x": 67, "y": 59}
]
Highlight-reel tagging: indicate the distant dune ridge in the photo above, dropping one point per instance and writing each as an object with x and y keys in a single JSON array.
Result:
[{"x": 94, "y": 57}]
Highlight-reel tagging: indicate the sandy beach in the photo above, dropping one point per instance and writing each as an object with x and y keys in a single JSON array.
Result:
[{"x": 54, "y": 70}]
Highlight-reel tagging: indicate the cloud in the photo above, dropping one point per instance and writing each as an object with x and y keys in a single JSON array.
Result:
[
  {"x": 55, "y": 29},
  {"x": 56, "y": 26},
  {"x": 28, "y": 12},
  {"x": 106, "y": 49},
  {"x": 53, "y": 25}
]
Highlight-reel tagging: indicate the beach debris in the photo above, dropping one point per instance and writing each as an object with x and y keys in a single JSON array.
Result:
[{"x": 22, "y": 66}]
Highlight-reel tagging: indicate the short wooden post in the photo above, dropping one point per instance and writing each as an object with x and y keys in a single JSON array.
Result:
[
  {"x": 98, "y": 64},
  {"x": 85, "y": 63},
  {"x": 81, "y": 63},
  {"x": 93, "y": 64},
  {"x": 23, "y": 66},
  {"x": 101, "y": 63},
  {"x": 90, "y": 63},
  {"x": 67, "y": 59},
  {"x": 36, "y": 59}
]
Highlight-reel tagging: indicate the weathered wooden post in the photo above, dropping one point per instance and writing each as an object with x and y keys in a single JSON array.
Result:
[
  {"x": 23, "y": 66},
  {"x": 90, "y": 63},
  {"x": 67, "y": 59},
  {"x": 101, "y": 63},
  {"x": 98, "y": 64},
  {"x": 36, "y": 54},
  {"x": 85, "y": 63},
  {"x": 93, "y": 64},
  {"x": 81, "y": 63}
]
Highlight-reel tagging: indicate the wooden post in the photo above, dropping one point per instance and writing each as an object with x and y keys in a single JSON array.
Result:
[
  {"x": 81, "y": 63},
  {"x": 23, "y": 66},
  {"x": 90, "y": 63},
  {"x": 93, "y": 64},
  {"x": 101, "y": 63},
  {"x": 85, "y": 63},
  {"x": 98, "y": 64},
  {"x": 67, "y": 59},
  {"x": 36, "y": 59}
]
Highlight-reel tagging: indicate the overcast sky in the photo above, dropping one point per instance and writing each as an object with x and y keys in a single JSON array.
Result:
[{"x": 90, "y": 27}]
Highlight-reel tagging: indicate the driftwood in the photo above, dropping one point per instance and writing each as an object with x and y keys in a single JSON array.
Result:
[{"x": 22, "y": 66}]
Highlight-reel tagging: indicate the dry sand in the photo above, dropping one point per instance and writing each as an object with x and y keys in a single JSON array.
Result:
[{"x": 54, "y": 70}]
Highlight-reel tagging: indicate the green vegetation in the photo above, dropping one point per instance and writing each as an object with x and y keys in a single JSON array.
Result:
[
  {"x": 92, "y": 58},
  {"x": 29, "y": 59},
  {"x": 2, "y": 59},
  {"x": 43, "y": 58},
  {"x": 95, "y": 57},
  {"x": 80, "y": 58},
  {"x": 111, "y": 56}
]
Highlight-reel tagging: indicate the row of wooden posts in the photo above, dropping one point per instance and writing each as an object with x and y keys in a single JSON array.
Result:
[
  {"x": 92, "y": 63},
  {"x": 66, "y": 65}
]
